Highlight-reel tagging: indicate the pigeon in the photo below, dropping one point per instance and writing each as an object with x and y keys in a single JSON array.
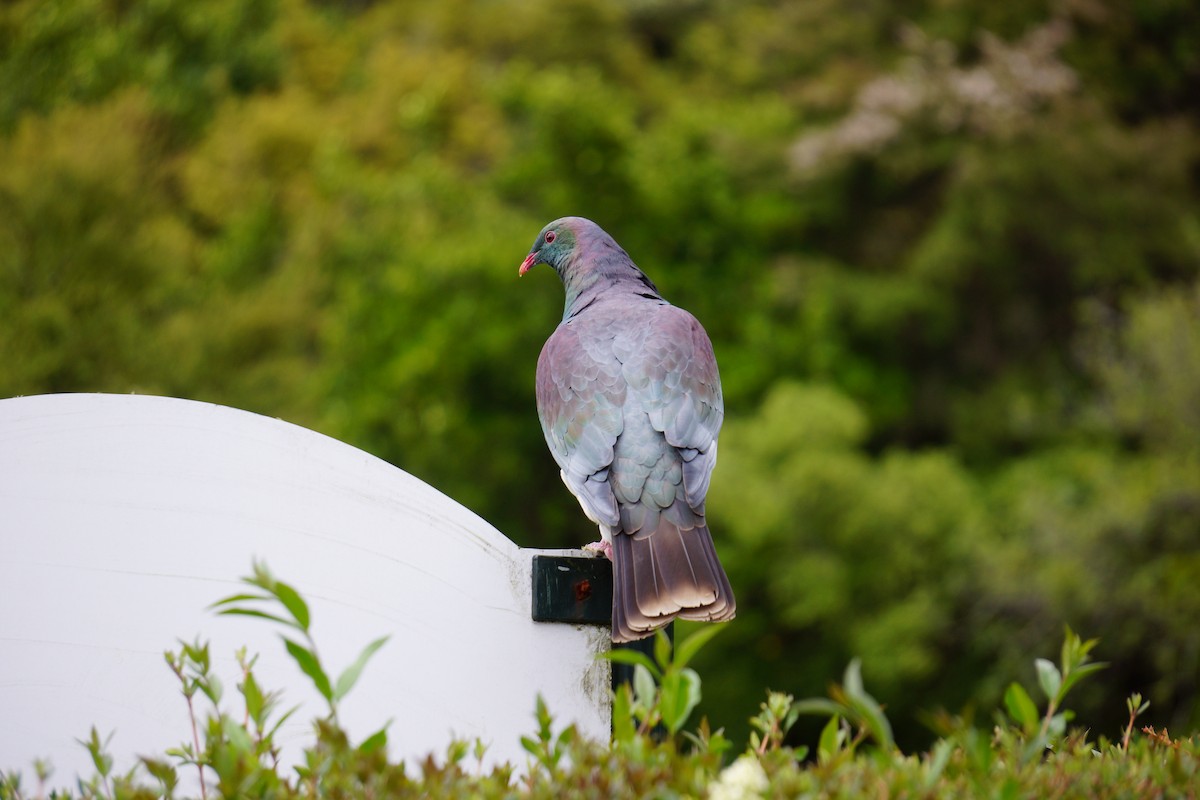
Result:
[{"x": 630, "y": 404}]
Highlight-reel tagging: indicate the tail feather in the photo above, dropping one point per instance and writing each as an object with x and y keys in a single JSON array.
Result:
[{"x": 670, "y": 573}]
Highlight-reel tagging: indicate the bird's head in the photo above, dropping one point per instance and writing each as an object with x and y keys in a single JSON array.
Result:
[{"x": 555, "y": 245}]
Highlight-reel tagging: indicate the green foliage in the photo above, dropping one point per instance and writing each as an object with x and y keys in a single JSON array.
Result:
[
  {"x": 238, "y": 759},
  {"x": 665, "y": 689},
  {"x": 1146, "y": 393},
  {"x": 189, "y": 55},
  {"x": 1101, "y": 540},
  {"x": 948, "y": 255},
  {"x": 276, "y": 592},
  {"x": 547, "y": 748},
  {"x": 850, "y": 555},
  {"x": 777, "y": 716},
  {"x": 1055, "y": 682},
  {"x": 850, "y": 702}
]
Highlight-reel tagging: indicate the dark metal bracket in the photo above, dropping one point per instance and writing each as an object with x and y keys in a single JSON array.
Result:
[
  {"x": 574, "y": 589},
  {"x": 579, "y": 590}
]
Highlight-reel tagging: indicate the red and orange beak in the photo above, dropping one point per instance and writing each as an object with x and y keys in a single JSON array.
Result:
[{"x": 526, "y": 264}]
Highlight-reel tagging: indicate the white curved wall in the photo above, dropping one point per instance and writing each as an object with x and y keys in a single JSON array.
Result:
[{"x": 123, "y": 517}]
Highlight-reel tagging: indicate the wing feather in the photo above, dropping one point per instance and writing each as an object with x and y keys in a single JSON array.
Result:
[
  {"x": 676, "y": 383},
  {"x": 579, "y": 401}
]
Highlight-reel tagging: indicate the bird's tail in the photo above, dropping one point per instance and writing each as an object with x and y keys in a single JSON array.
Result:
[{"x": 669, "y": 573}]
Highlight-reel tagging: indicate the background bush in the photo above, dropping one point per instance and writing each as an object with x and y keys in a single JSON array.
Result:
[{"x": 948, "y": 255}]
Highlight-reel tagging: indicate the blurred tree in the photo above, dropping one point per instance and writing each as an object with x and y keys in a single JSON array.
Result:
[
  {"x": 947, "y": 253},
  {"x": 91, "y": 266},
  {"x": 835, "y": 554},
  {"x": 188, "y": 56}
]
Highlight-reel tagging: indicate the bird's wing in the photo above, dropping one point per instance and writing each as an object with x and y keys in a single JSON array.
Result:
[
  {"x": 580, "y": 395},
  {"x": 672, "y": 373}
]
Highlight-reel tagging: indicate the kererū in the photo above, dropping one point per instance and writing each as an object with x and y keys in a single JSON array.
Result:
[{"x": 630, "y": 404}]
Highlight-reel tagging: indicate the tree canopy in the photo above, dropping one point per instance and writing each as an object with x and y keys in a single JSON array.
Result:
[{"x": 948, "y": 255}]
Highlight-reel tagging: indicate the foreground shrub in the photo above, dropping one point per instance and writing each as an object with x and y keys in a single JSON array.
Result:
[{"x": 1029, "y": 750}]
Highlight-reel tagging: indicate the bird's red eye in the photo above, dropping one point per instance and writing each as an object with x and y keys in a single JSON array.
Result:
[{"x": 549, "y": 237}]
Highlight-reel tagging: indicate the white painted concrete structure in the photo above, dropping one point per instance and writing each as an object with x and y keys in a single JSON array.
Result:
[{"x": 122, "y": 518}]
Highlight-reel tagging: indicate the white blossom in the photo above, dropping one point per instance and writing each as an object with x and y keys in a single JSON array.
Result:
[
  {"x": 1003, "y": 90},
  {"x": 744, "y": 779}
]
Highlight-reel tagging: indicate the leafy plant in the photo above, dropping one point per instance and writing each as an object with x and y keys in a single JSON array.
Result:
[
  {"x": 547, "y": 748},
  {"x": 1055, "y": 681},
  {"x": 850, "y": 702},
  {"x": 651, "y": 753},
  {"x": 665, "y": 689},
  {"x": 275, "y": 592},
  {"x": 101, "y": 783},
  {"x": 1136, "y": 709},
  {"x": 777, "y": 716}
]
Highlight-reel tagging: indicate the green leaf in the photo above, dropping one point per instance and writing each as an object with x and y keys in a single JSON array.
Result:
[
  {"x": 979, "y": 751},
  {"x": 532, "y": 747},
  {"x": 293, "y": 602},
  {"x": 633, "y": 658},
  {"x": 376, "y": 740},
  {"x": 686, "y": 650},
  {"x": 236, "y": 735},
  {"x": 162, "y": 771},
  {"x": 1021, "y": 708},
  {"x": 818, "y": 706},
  {"x": 197, "y": 653},
  {"x": 938, "y": 758},
  {"x": 311, "y": 667},
  {"x": 564, "y": 738},
  {"x": 623, "y": 724},
  {"x": 279, "y": 723},
  {"x": 1074, "y": 649},
  {"x": 852, "y": 679},
  {"x": 1079, "y": 673},
  {"x": 789, "y": 719},
  {"x": 212, "y": 687},
  {"x": 1049, "y": 678},
  {"x": 679, "y": 697},
  {"x": 542, "y": 714},
  {"x": 97, "y": 750},
  {"x": 662, "y": 648},
  {"x": 239, "y": 598},
  {"x": 349, "y": 677},
  {"x": 831, "y": 739},
  {"x": 262, "y": 577},
  {"x": 864, "y": 706},
  {"x": 456, "y": 751},
  {"x": 250, "y": 612},
  {"x": 644, "y": 689},
  {"x": 254, "y": 698},
  {"x": 872, "y": 716}
]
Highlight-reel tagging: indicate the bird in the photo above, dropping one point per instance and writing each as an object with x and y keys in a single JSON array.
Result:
[{"x": 629, "y": 400}]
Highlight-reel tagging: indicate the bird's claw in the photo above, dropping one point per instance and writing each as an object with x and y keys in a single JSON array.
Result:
[{"x": 601, "y": 547}]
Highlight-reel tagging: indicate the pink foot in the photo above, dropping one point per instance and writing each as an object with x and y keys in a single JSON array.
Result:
[{"x": 600, "y": 547}]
